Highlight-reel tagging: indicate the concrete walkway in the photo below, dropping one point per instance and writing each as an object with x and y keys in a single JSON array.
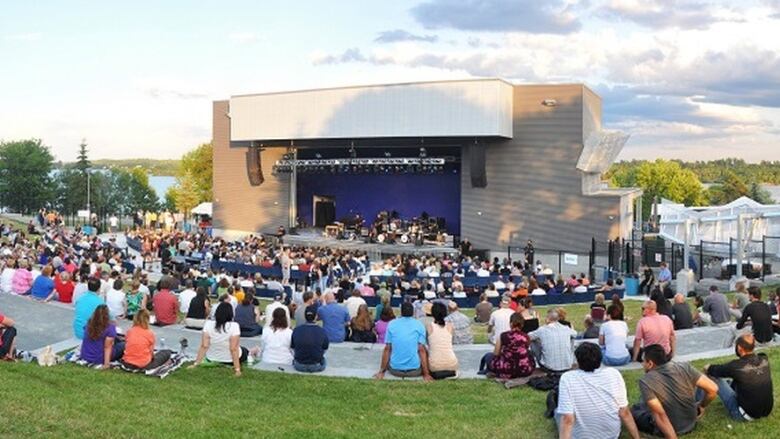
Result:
[{"x": 44, "y": 324}]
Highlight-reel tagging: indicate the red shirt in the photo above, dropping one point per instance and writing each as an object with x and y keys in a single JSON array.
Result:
[
  {"x": 64, "y": 290},
  {"x": 165, "y": 306}
]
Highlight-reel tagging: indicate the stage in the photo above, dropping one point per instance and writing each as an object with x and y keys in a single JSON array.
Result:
[{"x": 315, "y": 237}]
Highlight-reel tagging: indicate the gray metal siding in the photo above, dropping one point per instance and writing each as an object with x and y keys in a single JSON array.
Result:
[
  {"x": 534, "y": 190},
  {"x": 239, "y": 206}
]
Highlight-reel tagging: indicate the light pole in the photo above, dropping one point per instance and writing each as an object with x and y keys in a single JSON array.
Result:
[{"x": 89, "y": 207}]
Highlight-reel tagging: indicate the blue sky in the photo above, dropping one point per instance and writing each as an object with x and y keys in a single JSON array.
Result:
[{"x": 687, "y": 79}]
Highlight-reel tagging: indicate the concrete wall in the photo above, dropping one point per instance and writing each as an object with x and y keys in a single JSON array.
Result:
[
  {"x": 239, "y": 206},
  {"x": 534, "y": 190}
]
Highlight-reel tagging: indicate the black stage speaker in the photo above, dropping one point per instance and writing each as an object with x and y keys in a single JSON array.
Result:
[
  {"x": 477, "y": 165},
  {"x": 254, "y": 166}
]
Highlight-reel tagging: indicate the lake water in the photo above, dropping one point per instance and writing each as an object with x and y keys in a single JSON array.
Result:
[
  {"x": 160, "y": 184},
  {"x": 774, "y": 191}
]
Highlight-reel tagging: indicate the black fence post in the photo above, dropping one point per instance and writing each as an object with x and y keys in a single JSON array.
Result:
[
  {"x": 763, "y": 258},
  {"x": 592, "y": 257},
  {"x": 701, "y": 260},
  {"x": 509, "y": 252},
  {"x": 629, "y": 258},
  {"x": 560, "y": 267},
  {"x": 731, "y": 257}
]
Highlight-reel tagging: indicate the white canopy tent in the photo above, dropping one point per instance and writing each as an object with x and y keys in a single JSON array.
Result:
[{"x": 203, "y": 209}]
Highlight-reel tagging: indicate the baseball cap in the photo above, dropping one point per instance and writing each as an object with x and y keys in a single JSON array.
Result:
[{"x": 310, "y": 313}]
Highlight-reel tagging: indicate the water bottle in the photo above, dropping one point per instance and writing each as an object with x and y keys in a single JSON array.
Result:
[{"x": 162, "y": 343}]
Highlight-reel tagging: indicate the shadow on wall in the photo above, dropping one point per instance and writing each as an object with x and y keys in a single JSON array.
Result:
[{"x": 534, "y": 190}]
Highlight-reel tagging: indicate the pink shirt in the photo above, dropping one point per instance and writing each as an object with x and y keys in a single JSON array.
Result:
[
  {"x": 22, "y": 281},
  {"x": 655, "y": 329}
]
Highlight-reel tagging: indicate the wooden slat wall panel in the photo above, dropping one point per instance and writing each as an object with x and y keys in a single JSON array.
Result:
[
  {"x": 534, "y": 190},
  {"x": 239, "y": 206}
]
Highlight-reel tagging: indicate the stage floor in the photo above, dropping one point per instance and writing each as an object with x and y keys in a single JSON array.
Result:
[{"x": 316, "y": 238}]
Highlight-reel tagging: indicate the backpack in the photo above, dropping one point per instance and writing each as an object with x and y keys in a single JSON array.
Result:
[{"x": 545, "y": 382}]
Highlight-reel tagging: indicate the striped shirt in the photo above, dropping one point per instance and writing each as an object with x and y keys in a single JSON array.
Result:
[
  {"x": 594, "y": 398},
  {"x": 556, "y": 341}
]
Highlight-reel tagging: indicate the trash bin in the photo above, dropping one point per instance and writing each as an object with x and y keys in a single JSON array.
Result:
[
  {"x": 87, "y": 230},
  {"x": 632, "y": 286}
]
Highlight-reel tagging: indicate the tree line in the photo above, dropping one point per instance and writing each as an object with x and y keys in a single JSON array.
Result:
[
  {"x": 30, "y": 179},
  {"x": 681, "y": 182}
]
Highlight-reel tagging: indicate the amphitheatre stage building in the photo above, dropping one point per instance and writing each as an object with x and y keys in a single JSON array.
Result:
[{"x": 421, "y": 166}]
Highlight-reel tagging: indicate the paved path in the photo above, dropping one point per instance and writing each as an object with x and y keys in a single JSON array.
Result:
[{"x": 43, "y": 324}]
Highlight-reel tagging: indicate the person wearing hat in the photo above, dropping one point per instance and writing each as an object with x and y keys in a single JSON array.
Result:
[
  {"x": 405, "y": 353},
  {"x": 309, "y": 344}
]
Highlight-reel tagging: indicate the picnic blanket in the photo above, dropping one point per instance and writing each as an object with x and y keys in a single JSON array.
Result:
[{"x": 177, "y": 361}]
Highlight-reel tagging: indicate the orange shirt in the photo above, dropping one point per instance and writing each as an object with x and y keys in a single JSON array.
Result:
[{"x": 139, "y": 346}]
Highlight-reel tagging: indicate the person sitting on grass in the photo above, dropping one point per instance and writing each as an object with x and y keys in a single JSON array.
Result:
[
  {"x": 335, "y": 319},
  {"x": 23, "y": 278},
  {"x": 362, "y": 327},
  {"x": 247, "y": 317},
  {"x": 674, "y": 395},
  {"x": 116, "y": 299},
  {"x": 591, "y": 330},
  {"x": 405, "y": 355},
  {"x": 748, "y": 394},
  {"x": 7, "y": 338},
  {"x": 483, "y": 310},
  {"x": 442, "y": 362},
  {"x": 654, "y": 329},
  {"x": 43, "y": 286},
  {"x": 199, "y": 310},
  {"x": 381, "y": 325},
  {"x": 499, "y": 320},
  {"x": 760, "y": 316},
  {"x": 461, "y": 325},
  {"x": 220, "y": 340},
  {"x": 85, "y": 307},
  {"x": 309, "y": 343},
  {"x": 277, "y": 340},
  {"x": 552, "y": 345},
  {"x": 592, "y": 400},
  {"x": 612, "y": 338},
  {"x": 681, "y": 313},
  {"x": 99, "y": 345},
  {"x": 165, "y": 303},
  {"x": 530, "y": 317},
  {"x": 511, "y": 358},
  {"x": 139, "y": 345},
  {"x": 64, "y": 286}
]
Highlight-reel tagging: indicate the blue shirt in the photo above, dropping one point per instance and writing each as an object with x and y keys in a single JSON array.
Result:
[
  {"x": 334, "y": 317},
  {"x": 84, "y": 309},
  {"x": 405, "y": 334},
  {"x": 309, "y": 343},
  {"x": 664, "y": 275},
  {"x": 41, "y": 287}
]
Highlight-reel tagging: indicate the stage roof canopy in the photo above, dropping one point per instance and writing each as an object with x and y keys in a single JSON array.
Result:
[{"x": 468, "y": 108}]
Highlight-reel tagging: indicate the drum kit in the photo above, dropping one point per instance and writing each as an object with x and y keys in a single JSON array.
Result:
[{"x": 390, "y": 228}]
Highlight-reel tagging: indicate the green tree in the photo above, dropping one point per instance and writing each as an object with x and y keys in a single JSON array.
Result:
[
  {"x": 82, "y": 162},
  {"x": 141, "y": 194},
  {"x": 662, "y": 179},
  {"x": 25, "y": 181},
  {"x": 757, "y": 193},
  {"x": 732, "y": 188},
  {"x": 170, "y": 199},
  {"x": 198, "y": 164},
  {"x": 185, "y": 194}
]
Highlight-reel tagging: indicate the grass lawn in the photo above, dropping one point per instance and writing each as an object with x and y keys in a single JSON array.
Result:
[{"x": 71, "y": 401}]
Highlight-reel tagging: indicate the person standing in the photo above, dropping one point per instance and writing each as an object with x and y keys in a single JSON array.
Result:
[
  {"x": 592, "y": 400},
  {"x": 748, "y": 394}
]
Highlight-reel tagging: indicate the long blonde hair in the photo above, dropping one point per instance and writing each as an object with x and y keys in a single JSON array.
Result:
[{"x": 141, "y": 319}]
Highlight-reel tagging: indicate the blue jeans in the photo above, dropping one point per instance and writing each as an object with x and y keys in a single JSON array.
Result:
[
  {"x": 310, "y": 368},
  {"x": 728, "y": 396},
  {"x": 609, "y": 361}
]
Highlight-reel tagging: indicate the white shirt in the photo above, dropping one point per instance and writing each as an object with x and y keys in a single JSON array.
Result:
[
  {"x": 615, "y": 333},
  {"x": 483, "y": 273},
  {"x": 276, "y": 346},
  {"x": 594, "y": 398},
  {"x": 499, "y": 320},
  {"x": 113, "y": 221},
  {"x": 269, "y": 314},
  {"x": 352, "y": 304},
  {"x": 185, "y": 297},
  {"x": 581, "y": 289},
  {"x": 79, "y": 290},
  {"x": 115, "y": 300},
  {"x": 219, "y": 347},
  {"x": 6, "y": 280},
  {"x": 538, "y": 292}
]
